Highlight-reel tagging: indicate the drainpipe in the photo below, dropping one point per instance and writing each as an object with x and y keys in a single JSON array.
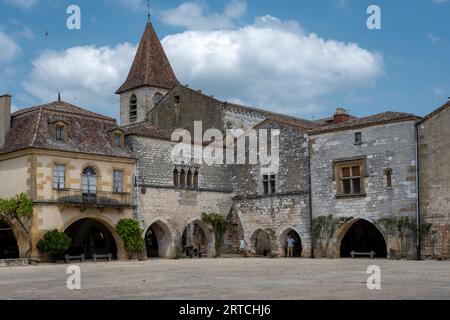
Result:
[
  {"x": 417, "y": 192},
  {"x": 310, "y": 198}
]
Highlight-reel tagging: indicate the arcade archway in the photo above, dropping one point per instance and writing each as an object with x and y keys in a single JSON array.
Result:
[
  {"x": 158, "y": 240},
  {"x": 90, "y": 236},
  {"x": 8, "y": 243},
  {"x": 363, "y": 236},
  {"x": 297, "y": 250},
  {"x": 197, "y": 238},
  {"x": 261, "y": 243}
]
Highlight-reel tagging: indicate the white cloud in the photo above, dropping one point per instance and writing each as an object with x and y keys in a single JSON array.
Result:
[
  {"x": 195, "y": 16},
  {"x": 271, "y": 64},
  {"x": 433, "y": 39},
  {"x": 24, "y": 4},
  {"x": 87, "y": 76},
  {"x": 9, "y": 48},
  {"x": 440, "y": 1}
]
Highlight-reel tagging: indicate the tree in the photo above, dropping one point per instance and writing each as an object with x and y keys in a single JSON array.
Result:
[
  {"x": 220, "y": 226},
  {"x": 131, "y": 234},
  {"x": 54, "y": 244},
  {"x": 18, "y": 210}
]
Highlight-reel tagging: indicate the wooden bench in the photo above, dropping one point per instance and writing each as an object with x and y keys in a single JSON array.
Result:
[
  {"x": 371, "y": 254},
  {"x": 101, "y": 256},
  {"x": 69, "y": 258}
]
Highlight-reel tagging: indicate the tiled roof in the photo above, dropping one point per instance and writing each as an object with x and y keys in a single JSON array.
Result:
[
  {"x": 144, "y": 129},
  {"x": 150, "y": 66},
  {"x": 295, "y": 122},
  {"x": 377, "y": 119},
  {"x": 435, "y": 112},
  {"x": 88, "y": 132}
]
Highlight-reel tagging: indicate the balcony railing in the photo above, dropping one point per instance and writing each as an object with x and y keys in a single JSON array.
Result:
[{"x": 99, "y": 198}]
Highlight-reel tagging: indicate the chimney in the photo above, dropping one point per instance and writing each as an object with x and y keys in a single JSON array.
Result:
[
  {"x": 340, "y": 116},
  {"x": 5, "y": 117}
]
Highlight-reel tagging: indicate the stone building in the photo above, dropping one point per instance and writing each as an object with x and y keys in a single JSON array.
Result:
[
  {"x": 434, "y": 178},
  {"x": 364, "y": 169},
  {"x": 76, "y": 168}
]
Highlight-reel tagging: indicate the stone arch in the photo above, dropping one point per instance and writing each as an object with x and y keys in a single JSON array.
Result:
[
  {"x": 360, "y": 234},
  {"x": 20, "y": 237},
  {"x": 298, "y": 247},
  {"x": 234, "y": 233},
  {"x": 192, "y": 236},
  {"x": 9, "y": 248},
  {"x": 159, "y": 241},
  {"x": 108, "y": 225},
  {"x": 260, "y": 243}
]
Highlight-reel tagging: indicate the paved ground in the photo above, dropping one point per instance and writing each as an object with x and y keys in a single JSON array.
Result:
[{"x": 231, "y": 279}]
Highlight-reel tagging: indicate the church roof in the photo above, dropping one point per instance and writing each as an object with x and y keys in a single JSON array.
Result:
[
  {"x": 87, "y": 132},
  {"x": 150, "y": 66}
]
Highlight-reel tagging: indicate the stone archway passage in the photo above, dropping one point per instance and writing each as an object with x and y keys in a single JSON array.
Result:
[
  {"x": 363, "y": 236},
  {"x": 297, "y": 250},
  {"x": 157, "y": 240},
  {"x": 194, "y": 238},
  {"x": 8, "y": 242},
  {"x": 90, "y": 236},
  {"x": 261, "y": 243}
]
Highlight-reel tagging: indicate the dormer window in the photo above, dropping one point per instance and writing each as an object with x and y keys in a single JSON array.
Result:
[
  {"x": 118, "y": 139},
  {"x": 59, "y": 133},
  {"x": 133, "y": 108},
  {"x": 59, "y": 130}
]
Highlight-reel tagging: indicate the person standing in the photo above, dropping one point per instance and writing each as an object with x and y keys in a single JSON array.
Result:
[
  {"x": 290, "y": 246},
  {"x": 242, "y": 245}
]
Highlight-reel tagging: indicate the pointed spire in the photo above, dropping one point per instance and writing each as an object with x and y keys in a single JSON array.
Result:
[
  {"x": 59, "y": 96},
  {"x": 148, "y": 10},
  {"x": 150, "y": 66}
]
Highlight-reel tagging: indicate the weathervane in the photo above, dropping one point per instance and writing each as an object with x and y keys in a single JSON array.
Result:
[{"x": 148, "y": 10}]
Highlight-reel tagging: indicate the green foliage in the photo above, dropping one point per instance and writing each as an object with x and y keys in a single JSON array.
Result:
[
  {"x": 18, "y": 207},
  {"x": 220, "y": 226},
  {"x": 54, "y": 244},
  {"x": 131, "y": 234}
]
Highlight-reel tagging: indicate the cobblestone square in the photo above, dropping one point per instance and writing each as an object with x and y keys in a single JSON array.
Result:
[{"x": 231, "y": 278}]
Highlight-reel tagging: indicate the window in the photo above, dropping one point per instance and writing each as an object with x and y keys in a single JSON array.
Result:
[
  {"x": 117, "y": 140},
  {"x": 175, "y": 178},
  {"x": 185, "y": 177},
  {"x": 59, "y": 176},
  {"x": 133, "y": 108},
  {"x": 89, "y": 181},
  {"x": 59, "y": 133},
  {"x": 157, "y": 98},
  {"x": 388, "y": 174},
  {"x": 350, "y": 178},
  {"x": 269, "y": 183},
  {"x": 118, "y": 181},
  {"x": 177, "y": 100},
  {"x": 358, "y": 138}
]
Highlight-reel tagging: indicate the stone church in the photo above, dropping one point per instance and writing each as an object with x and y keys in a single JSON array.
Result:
[{"x": 342, "y": 185}]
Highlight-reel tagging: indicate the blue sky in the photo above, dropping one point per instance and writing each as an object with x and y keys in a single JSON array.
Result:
[{"x": 304, "y": 58}]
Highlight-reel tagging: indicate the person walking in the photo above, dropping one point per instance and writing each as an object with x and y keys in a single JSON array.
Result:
[{"x": 290, "y": 246}]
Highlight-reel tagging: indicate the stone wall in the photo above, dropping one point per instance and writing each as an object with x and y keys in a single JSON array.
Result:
[
  {"x": 388, "y": 146},
  {"x": 434, "y": 155}
]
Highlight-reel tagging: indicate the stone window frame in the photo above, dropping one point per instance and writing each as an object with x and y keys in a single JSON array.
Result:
[
  {"x": 388, "y": 178},
  {"x": 115, "y": 133},
  {"x": 269, "y": 181},
  {"x": 59, "y": 164},
  {"x": 181, "y": 176},
  {"x": 338, "y": 165},
  {"x": 133, "y": 108},
  {"x": 59, "y": 124},
  {"x": 358, "y": 138},
  {"x": 122, "y": 185}
]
